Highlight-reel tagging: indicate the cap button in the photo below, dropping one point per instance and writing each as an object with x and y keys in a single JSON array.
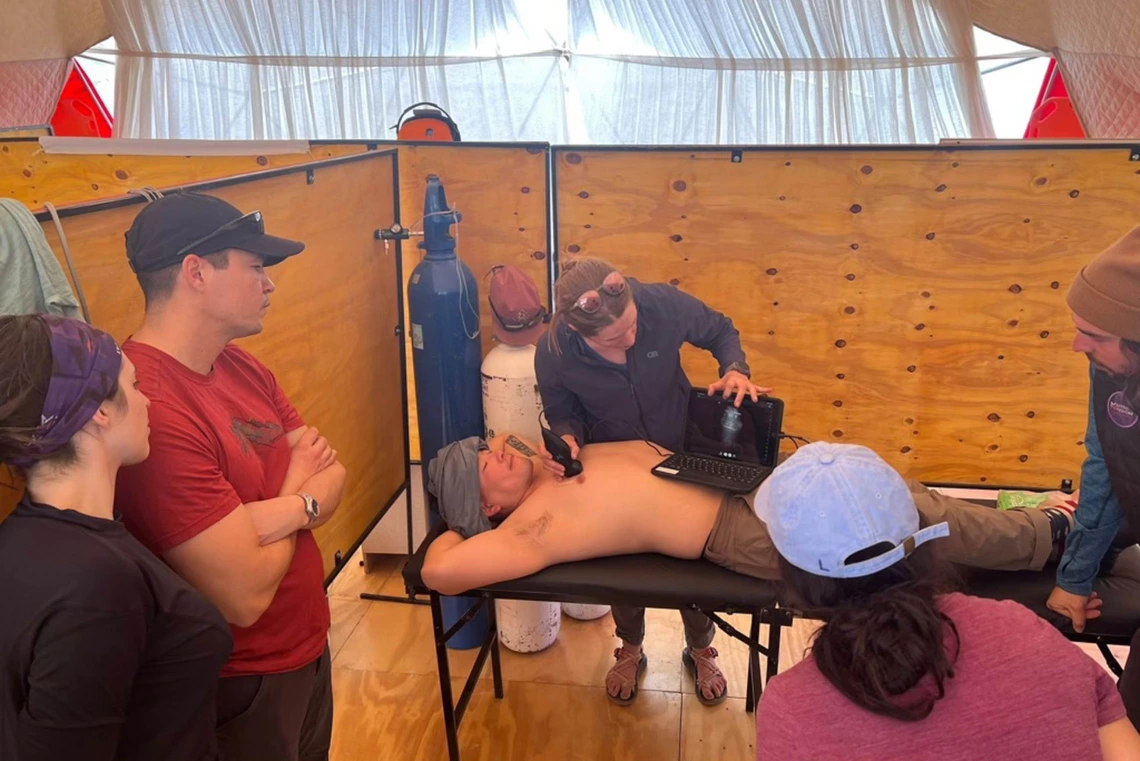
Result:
[{"x": 827, "y": 458}]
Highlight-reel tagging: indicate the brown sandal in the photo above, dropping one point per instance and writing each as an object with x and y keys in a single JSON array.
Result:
[
  {"x": 707, "y": 661},
  {"x": 626, "y": 670}
]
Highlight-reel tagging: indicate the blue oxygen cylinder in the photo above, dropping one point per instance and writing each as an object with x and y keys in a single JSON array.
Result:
[{"x": 443, "y": 303}]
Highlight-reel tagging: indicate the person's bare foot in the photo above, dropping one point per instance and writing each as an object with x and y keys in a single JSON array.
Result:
[
  {"x": 712, "y": 687},
  {"x": 621, "y": 681}
]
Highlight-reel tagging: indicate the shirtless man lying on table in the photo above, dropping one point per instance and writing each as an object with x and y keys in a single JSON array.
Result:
[{"x": 618, "y": 507}]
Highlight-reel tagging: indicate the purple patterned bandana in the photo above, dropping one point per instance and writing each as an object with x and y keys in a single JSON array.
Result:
[{"x": 85, "y": 370}]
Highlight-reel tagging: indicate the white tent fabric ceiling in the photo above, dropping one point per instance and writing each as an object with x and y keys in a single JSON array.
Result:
[{"x": 1094, "y": 40}]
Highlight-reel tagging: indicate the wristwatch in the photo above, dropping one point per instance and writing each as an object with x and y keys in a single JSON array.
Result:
[
  {"x": 312, "y": 508},
  {"x": 740, "y": 367}
]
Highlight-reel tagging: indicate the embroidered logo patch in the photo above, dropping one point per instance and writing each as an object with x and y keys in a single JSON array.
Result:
[{"x": 1119, "y": 411}]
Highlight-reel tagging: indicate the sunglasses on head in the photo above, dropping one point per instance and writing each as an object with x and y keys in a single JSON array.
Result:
[{"x": 590, "y": 301}]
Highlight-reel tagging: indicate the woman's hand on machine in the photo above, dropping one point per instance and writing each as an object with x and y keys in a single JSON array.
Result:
[
  {"x": 737, "y": 383},
  {"x": 1077, "y": 608},
  {"x": 548, "y": 461}
]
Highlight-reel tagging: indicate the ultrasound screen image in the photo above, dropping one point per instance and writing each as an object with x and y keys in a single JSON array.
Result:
[{"x": 719, "y": 429}]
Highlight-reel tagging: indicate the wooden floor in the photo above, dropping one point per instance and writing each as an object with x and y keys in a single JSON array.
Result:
[{"x": 388, "y": 705}]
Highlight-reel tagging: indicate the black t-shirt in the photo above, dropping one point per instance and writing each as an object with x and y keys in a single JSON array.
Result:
[{"x": 108, "y": 654}]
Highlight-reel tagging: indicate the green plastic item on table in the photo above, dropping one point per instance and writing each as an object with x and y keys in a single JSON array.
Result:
[{"x": 1007, "y": 500}]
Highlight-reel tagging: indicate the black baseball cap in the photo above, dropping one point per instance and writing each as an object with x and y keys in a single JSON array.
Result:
[{"x": 176, "y": 225}]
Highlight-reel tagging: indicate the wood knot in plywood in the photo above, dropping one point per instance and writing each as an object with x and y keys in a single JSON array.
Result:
[
  {"x": 840, "y": 376},
  {"x": 771, "y": 270},
  {"x": 993, "y": 417},
  {"x": 1012, "y": 323},
  {"x": 905, "y": 450},
  {"x": 1024, "y": 458},
  {"x": 1025, "y": 221},
  {"x": 867, "y": 169},
  {"x": 940, "y": 189},
  {"x": 262, "y": 161},
  {"x": 1042, "y": 180},
  {"x": 925, "y": 294},
  {"x": 920, "y": 326},
  {"x": 1044, "y": 333},
  {"x": 849, "y": 310},
  {"x": 539, "y": 255},
  {"x": 910, "y": 421},
  {"x": 27, "y": 173},
  {"x": 911, "y": 368},
  {"x": 838, "y": 403},
  {"x": 676, "y": 238},
  {"x": 526, "y": 190},
  {"x": 840, "y": 343},
  {"x": 1074, "y": 193},
  {"x": 1015, "y": 288},
  {"x": 1054, "y": 285},
  {"x": 680, "y": 186},
  {"x": 583, "y": 194},
  {"x": 850, "y": 276},
  {"x": 1031, "y": 414},
  {"x": 930, "y": 236},
  {"x": 573, "y": 158},
  {"x": 674, "y": 281},
  {"x": 121, "y": 174},
  {"x": 856, "y": 208},
  {"x": 854, "y": 246},
  {"x": 573, "y": 248},
  {"x": 837, "y": 433}
]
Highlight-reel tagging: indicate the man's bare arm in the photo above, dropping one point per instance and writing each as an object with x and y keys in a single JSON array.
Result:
[
  {"x": 454, "y": 565},
  {"x": 227, "y": 563}
]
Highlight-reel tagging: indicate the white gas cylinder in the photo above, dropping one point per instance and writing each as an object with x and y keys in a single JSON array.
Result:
[
  {"x": 584, "y": 612},
  {"x": 511, "y": 404}
]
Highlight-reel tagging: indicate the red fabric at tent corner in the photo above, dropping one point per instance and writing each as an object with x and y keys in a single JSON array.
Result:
[
  {"x": 1053, "y": 115},
  {"x": 80, "y": 111}
]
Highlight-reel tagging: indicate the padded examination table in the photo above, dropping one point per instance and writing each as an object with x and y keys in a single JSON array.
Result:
[
  {"x": 652, "y": 581},
  {"x": 657, "y": 581}
]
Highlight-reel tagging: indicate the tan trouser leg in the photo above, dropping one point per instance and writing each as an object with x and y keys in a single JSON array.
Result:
[{"x": 985, "y": 537}]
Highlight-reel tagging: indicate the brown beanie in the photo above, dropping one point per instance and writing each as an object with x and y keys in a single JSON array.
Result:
[{"x": 1107, "y": 289}]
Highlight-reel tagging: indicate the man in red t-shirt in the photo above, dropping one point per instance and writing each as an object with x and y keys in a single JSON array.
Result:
[{"x": 235, "y": 481}]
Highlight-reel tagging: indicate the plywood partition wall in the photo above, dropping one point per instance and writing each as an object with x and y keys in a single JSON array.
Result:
[
  {"x": 910, "y": 300},
  {"x": 331, "y": 333},
  {"x": 34, "y": 177},
  {"x": 502, "y": 193}
]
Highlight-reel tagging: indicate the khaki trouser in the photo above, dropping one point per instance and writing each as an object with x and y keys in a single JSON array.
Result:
[{"x": 980, "y": 537}]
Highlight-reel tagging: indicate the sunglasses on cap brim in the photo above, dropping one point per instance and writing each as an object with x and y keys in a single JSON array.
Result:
[
  {"x": 253, "y": 220},
  {"x": 515, "y": 326},
  {"x": 590, "y": 301}
]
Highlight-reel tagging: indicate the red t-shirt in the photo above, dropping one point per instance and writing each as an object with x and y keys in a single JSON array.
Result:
[
  {"x": 1020, "y": 691},
  {"x": 218, "y": 441}
]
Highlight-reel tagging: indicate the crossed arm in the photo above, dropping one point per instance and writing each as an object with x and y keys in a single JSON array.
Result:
[{"x": 239, "y": 561}]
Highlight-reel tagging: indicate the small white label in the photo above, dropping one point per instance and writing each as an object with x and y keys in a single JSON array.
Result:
[
  {"x": 670, "y": 471},
  {"x": 417, "y": 336},
  {"x": 415, "y": 278}
]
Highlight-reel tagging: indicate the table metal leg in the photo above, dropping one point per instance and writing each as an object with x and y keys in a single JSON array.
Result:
[
  {"x": 449, "y": 723},
  {"x": 496, "y": 666},
  {"x": 753, "y": 694}
]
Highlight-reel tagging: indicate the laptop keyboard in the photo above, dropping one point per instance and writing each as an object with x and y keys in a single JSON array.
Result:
[{"x": 729, "y": 471}]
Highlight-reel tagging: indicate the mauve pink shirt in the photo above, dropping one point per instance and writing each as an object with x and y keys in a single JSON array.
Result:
[{"x": 1021, "y": 691}]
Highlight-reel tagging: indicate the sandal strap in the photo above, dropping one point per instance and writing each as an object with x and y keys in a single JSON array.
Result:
[
  {"x": 627, "y": 665},
  {"x": 706, "y": 667}
]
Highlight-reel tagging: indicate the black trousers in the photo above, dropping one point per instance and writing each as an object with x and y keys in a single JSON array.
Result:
[{"x": 277, "y": 717}]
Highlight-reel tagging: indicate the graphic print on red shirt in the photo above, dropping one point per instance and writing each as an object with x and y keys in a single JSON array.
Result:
[{"x": 218, "y": 441}]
